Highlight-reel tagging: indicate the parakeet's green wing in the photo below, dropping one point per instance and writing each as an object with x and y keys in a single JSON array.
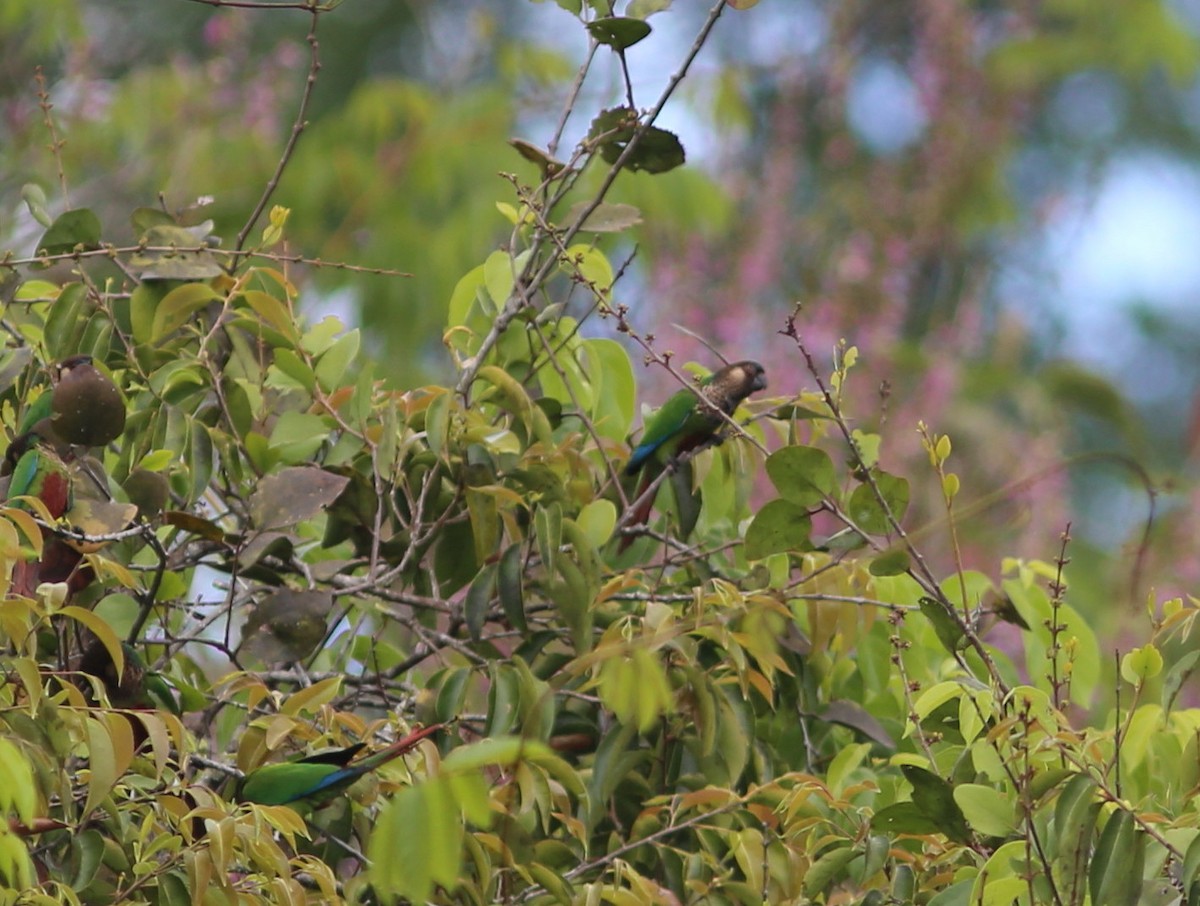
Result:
[
  {"x": 665, "y": 424},
  {"x": 39, "y": 473},
  {"x": 284, "y": 783}
]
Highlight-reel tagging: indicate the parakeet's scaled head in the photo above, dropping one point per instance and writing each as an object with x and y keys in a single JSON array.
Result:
[
  {"x": 64, "y": 367},
  {"x": 751, "y": 375}
]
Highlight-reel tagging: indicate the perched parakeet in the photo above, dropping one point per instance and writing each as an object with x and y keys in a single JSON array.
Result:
[
  {"x": 138, "y": 688},
  {"x": 88, "y": 408},
  {"x": 688, "y": 420},
  {"x": 38, "y": 419},
  {"x": 316, "y": 779},
  {"x": 38, "y": 472}
]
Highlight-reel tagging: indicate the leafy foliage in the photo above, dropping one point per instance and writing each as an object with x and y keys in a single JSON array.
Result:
[{"x": 770, "y": 695}]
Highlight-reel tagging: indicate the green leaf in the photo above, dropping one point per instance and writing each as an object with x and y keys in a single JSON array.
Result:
[
  {"x": 298, "y": 435},
  {"x": 778, "y": 527},
  {"x": 66, "y": 322},
  {"x": 463, "y": 297},
  {"x": 635, "y": 688},
  {"x": 613, "y": 124},
  {"x": 827, "y": 869},
  {"x": 19, "y": 793},
  {"x": 1115, "y": 875},
  {"x": 1190, "y": 871},
  {"x": 511, "y": 583},
  {"x": 935, "y": 798},
  {"x": 77, "y": 228},
  {"x": 590, "y": 264},
  {"x": 499, "y": 276},
  {"x": 903, "y": 818},
  {"x": 272, "y": 312},
  {"x": 597, "y": 520},
  {"x": 892, "y": 562},
  {"x": 336, "y": 359},
  {"x": 88, "y": 850},
  {"x": 417, "y": 842},
  {"x": 143, "y": 303},
  {"x": 102, "y": 763},
  {"x": 611, "y": 374},
  {"x": 1075, "y": 815},
  {"x": 657, "y": 151},
  {"x": 955, "y": 895},
  {"x": 451, "y": 693},
  {"x": 618, "y": 32},
  {"x": 485, "y": 522},
  {"x": 547, "y": 522},
  {"x": 479, "y": 596},
  {"x": 803, "y": 475},
  {"x": 987, "y": 810},
  {"x": 1141, "y": 664},
  {"x": 948, "y": 631},
  {"x": 177, "y": 308},
  {"x": 495, "y": 751},
  {"x": 35, "y": 200},
  {"x": 143, "y": 219},
  {"x": 864, "y": 509}
]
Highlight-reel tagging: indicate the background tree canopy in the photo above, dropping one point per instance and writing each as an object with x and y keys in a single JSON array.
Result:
[{"x": 329, "y": 329}]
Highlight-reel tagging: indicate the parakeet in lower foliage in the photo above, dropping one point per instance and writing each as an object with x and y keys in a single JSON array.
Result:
[
  {"x": 39, "y": 472},
  {"x": 316, "y": 779},
  {"x": 688, "y": 420},
  {"x": 137, "y": 689}
]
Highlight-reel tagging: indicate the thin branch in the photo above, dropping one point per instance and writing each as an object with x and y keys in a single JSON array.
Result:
[
  {"x": 514, "y": 304},
  {"x": 298, "y": 127}
]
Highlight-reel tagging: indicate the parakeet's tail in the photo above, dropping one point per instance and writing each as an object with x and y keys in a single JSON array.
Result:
[
  {"x": 395, "y": 750},
  {"x": 642, "y": 509},
  {"x": 639, "y": 456}
]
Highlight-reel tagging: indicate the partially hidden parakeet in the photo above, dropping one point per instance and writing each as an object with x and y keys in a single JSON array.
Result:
[
  {"x": 39, "y": 472},
  {"x": 138, "y": 688},
  {"x": 312, "y": 781}
]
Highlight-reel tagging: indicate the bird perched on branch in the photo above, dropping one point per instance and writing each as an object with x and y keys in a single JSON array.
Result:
[
  {"x": 314, "y": 780},
  {"x": 38, "y": 472},
  {"x": 138, "y": 688},
  {"x": 688, "y": 420},
  {"x": 82, "y": 407}
]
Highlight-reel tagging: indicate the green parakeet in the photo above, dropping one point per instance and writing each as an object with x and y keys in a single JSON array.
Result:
[
  {"x": 138, "y": 688},
  {"x": 39, "y": 472},
  {"x": 688, "y": 420},
  {"x": 314, "y": 780},
  {"x": 88, "y": 408}
]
